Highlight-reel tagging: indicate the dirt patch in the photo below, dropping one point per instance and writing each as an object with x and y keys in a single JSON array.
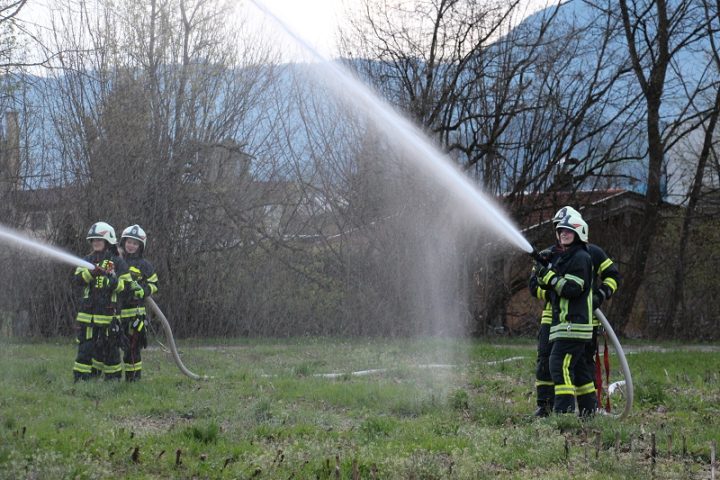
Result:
[{"x": 144, "y": 425}]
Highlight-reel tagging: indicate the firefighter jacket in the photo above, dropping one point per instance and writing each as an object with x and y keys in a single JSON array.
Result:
[
  {"x": 99, "y": 301},
  {"x": 571, "y": 294},
  {"x": 604, "y": 268},
  {"x": 143, "y": 277},
  {"x": 609, "y": 276}
]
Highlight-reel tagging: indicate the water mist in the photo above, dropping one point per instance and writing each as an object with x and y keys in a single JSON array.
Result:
[
  {"x": 20, "y": 241},
  {"x": 429, "y": 230}
]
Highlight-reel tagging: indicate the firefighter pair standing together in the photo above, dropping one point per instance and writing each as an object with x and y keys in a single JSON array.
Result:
[
  {"x": 111, "y": 314},
  {"x": 567, "y": 338}
]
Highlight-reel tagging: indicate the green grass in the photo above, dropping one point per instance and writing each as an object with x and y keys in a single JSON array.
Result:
[{"x": 268, "y": 413}]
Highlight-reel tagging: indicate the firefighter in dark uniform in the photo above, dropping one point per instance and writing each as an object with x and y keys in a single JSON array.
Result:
[
  {"x": 143, "y": 284},
  {"x": 609, "y": 278},
  {"x": 98, "y": 314},
  {"x": 568, "y": 280}
]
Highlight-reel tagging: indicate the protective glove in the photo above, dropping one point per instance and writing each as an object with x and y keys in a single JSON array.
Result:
[
  {"x": 534, "y": 283},
  {"x": 600, "y": 295},
  {"x": 547, "y": 277},
  {"x": 598, "y": 298},
  {"x": 606, "y": 291},
  {"x": 137, "y": 290},
  {"x": 97, "y": 271},
  {"x": 546, "y": 255}
]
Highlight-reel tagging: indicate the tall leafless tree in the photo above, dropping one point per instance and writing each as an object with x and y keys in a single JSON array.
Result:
[
  {"x": 154, "y": 105},
  {"x": 656, "y": 33},
  {"x": 707, "y": 106}
]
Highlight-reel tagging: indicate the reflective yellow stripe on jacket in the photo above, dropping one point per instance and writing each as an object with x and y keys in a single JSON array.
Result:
[
  {"x": 152, "y": 283},
  {"x": 97, "y": 319},
  {"x": 569, "y": 330}
]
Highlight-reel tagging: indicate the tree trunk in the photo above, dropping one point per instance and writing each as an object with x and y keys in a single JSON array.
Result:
[
  {"x": 652, "y": 87},
  {"x": 676, "y": 303}
]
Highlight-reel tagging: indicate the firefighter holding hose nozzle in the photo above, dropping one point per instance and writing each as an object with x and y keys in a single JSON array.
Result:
[
  {"x": 605, "y": 284},
  {"x": 565, "y": 276},
  {"x": 98, "y": 313}
]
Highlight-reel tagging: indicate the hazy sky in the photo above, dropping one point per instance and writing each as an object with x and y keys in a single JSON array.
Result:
[{"x": 316, "y": 21}]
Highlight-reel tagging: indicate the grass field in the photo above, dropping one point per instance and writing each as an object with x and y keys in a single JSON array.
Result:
[{"x": 434, "y": 409}]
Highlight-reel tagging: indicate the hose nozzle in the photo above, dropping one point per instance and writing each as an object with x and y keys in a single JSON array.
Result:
[{"x": 539, "y": 258}]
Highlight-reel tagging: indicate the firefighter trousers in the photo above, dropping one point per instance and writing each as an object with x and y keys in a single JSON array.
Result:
[
  {"x": 572, "y": 378},
  {"x": 136, "y": 340},
  {"x": 544, "y": 385},
  {"x": 97, "y": 353},
  {"x": 84, "y": 367}
]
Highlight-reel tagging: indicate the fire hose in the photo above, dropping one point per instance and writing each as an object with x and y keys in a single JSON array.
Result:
[
  {"x": 149, "y": 302},
  {"x": 624, "y": 367}
]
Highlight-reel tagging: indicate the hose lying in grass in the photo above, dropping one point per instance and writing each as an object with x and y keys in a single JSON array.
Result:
[
  {"x": 171, "y": 340},
  {"x": 361, "y": 373}
]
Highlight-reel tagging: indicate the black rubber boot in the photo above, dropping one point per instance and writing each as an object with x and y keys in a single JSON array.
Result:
[
  {"x": 542, "y": 411},
  {"x": 587, "y": 405},
  {"x": 545, "y": 397},
  {"x": 564, "y": 404}
]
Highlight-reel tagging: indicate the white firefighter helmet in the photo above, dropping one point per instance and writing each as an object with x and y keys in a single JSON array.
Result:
[
  {"x": 103, "y": 231},
  {"x": 563, "y": 212},
  {"x": 135, "y": 232},
  {"x": 575, "y": 223}
]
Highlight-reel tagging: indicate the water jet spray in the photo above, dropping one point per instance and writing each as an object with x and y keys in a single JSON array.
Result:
[
  {"x": 434, "y": 163},
  {"x": 18, "y": 240}
]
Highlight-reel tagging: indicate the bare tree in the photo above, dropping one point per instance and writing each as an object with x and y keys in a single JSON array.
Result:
[
  {"x": 656, "y": 33},
  {"x": 707, "y": 108},
  {"x": 154, "y": 107},
  {"x": 9, "y": 11}
]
